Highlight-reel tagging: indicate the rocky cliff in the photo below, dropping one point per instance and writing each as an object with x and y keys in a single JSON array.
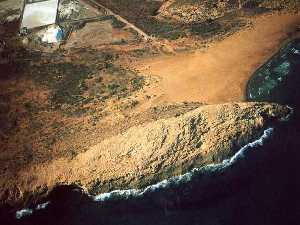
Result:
[{"x": 151, "y": 152}]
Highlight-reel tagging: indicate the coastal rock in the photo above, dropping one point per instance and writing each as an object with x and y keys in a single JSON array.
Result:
[{"x": 152, "y": 152}]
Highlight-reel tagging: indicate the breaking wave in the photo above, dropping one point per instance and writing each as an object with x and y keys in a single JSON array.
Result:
[
  {"x": 187, "y": 177},
  {"x": 174, "y": 183},
  {"x": 27, "y": 212}
]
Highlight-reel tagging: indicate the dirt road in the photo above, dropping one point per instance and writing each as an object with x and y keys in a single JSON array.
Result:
[
  {"x": 107, "y": 11},
  {"x": 220, "y": 73}
]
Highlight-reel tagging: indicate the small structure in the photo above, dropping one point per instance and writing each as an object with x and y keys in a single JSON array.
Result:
[{"x": 39, "y": 13}]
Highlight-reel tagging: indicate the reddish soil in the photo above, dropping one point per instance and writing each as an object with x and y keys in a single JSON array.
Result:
[{"x": 219, "y": 73}]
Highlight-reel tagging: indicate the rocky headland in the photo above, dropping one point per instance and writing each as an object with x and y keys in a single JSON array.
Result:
[
  {"x": 146, "y": 106},
  {"x": 151, "y": 152}
]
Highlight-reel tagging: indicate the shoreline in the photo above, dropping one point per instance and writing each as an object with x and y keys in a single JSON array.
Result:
[
  {"x": 149, "y": 138},
  {"x": 184, "y": 179},
  {"x": 184, "y": 76}
]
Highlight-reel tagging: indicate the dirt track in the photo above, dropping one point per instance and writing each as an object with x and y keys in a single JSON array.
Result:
[
  {"x": 98, "y": 6},
  {"x": 220, "y": 73}
]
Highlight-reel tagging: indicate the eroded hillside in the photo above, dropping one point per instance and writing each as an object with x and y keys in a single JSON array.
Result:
[{"x": 149, "y": 153}]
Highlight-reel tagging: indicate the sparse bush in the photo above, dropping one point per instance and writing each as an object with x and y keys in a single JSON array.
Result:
[{"x": 162, "y": 29}]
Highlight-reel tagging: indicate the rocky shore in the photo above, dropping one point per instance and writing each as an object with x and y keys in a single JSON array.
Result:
[
  {"x": 149, "y": 153},
  {"x": 88, "y": 136}
]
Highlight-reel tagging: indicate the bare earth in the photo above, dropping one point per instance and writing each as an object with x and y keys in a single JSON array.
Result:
[{"x": 220, "y": 73}]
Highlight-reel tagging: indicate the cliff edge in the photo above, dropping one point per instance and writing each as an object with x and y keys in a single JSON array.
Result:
[{"x": 149, "y": 153}]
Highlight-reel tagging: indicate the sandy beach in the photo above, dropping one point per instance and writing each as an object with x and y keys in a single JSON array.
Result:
[{"x": 219, "y": 73}]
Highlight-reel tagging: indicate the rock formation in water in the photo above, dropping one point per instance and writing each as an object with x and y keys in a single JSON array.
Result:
[{"x": 151, "y": 152}]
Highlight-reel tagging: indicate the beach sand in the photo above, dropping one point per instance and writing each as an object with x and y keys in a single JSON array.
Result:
[{"x": 219, "y": 73}]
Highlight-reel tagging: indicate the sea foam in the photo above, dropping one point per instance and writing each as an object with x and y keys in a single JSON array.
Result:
[
  {"x": 165, "y": 184},
  {"x": 187, "y": 177}
]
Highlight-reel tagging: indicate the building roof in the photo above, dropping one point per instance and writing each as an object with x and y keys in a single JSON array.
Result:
[{"x": 37, "y": 13}]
